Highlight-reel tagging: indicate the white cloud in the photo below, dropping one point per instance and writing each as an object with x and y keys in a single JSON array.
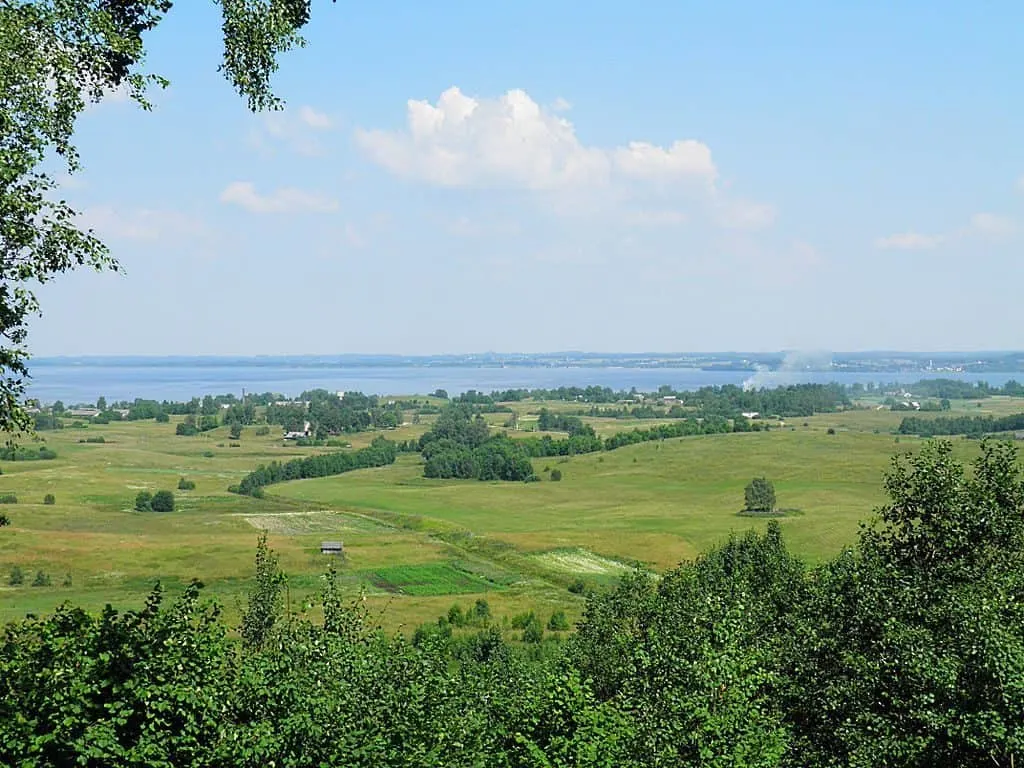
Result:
[
  {"x": 139, "y": 224},
  {"x": 655, "y": 218},
  {"x": 560, "y": 105},
  {"x": 512, "y": 141},
  {"x": 297, "y": 130},
  {"x": 744, "y": 214},
  {"x": 991, "y": 225},
  {"x": 984, "y": 225},
  {"x": 316, "y": 120},
  {"x": 282, "y": 200},
  {"x": 909, "y": 241}
]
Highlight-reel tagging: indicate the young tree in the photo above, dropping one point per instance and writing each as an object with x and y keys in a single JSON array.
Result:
[
  {"x": 236, "y": 431},
  {"x": 759, "y": 495},
  {"x": 55, "y": 57},
  {"x": 143, "y": 501}
]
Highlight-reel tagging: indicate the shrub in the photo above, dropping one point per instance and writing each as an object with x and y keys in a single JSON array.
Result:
[
  {"x": 533, "y": 632},
  {"x": 8, "y": 498},
  {"x": 143, "y": 501},
  {"x": 162, "y": 501},
  {"x": 236, "y": 431},
  {"x": 41, "y": 580},
  {"x": 556, "y": 475},
  {"x": 17, "y": 578},
  {"x": 67, "y": 580},
  {"x": 98, "y": 439},
  {"x": 208, "y": 454},
  {"x": 482, "y": 611},
  {"x": 558, "y": 622},
  {"x": 455, "y": 616},
  {"x": 830, "y": 431},
  {"x": 49, "y": 499},
  {"x": 262, "y": 431},
  {"x": 4, "y": 520},
  {"x": 521, "y": 620},
  {"x": 234, "y": 445},
  {"x": 577, "y": 587},
  {"x": 759, "y": 495},
  {"x": 187, "y": 430},
  {"x": 162, "y": 418},
  {"x": 186, "y": 485}
]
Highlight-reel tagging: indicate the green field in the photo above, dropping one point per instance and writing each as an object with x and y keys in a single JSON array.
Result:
[{"x": 414, "y": 545}]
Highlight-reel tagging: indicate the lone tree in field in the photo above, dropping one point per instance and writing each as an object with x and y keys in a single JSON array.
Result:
[
  {"x": 759, "y": 495},
  {"x": 163, "y": 501},
  {"x": 57, "y": 56}
]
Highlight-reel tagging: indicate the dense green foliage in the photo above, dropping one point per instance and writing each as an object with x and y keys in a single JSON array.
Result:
[
  {"x": 460, "y": 446},
  {"x": 975, "y": 426},
  {"x": 25, "y": 453},
  {"x": 759, "y": 495},
  {"x": 162, "y": 501},
  {"x": 380, "y": 453},
  {"x": 907, "y": 649}
]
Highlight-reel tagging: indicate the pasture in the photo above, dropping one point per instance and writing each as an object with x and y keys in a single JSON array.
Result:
[{"x": 414, "y": 545}]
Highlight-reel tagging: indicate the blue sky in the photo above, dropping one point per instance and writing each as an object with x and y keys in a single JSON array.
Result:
[{"x": 458, "y": 177}]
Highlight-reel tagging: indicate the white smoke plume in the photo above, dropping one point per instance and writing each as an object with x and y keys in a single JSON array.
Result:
[{"x": 794, "y": 369}]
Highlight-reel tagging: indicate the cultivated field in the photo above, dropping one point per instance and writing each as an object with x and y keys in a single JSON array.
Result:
[{"x": 414, "y": 546}]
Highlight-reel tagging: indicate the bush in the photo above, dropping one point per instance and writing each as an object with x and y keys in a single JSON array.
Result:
[
  {"x": 455, "y": 616},
  {"x": 236, "y": 431},
  {"x": 67, "y": 580},
  {"x": 17, "y": 578},
  {"x": 186, "y": 430},
  {"x": 830, "y": 431},
  {"x": 759, "y": 495},
  {"x": 99, "y": 439},
  {"x": 262, "y": 431},
  {"x": 186, "y": 485},
  {"x": 41, "y": 580},
  {"x": 481, "y": 611},
  {"x": 8, "y": 498},
  {"x": 4, "y": 520},
  {"x": 143, "y": 501},
  {"x": 558, "y": 622},
  {"x": 533, "y": 632},
  {"x": 522, "y": 620},
  {"x": 208, "y": 454},
  {"x": 578, "y": 587},
  {"x": 162, "y": 418},
  {"x": 556, "y": 475},
  {"x": 163, "y": 501},
  {"x": 49, "y": 499}
]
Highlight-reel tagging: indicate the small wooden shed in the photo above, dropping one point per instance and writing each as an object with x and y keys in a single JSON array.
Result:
[{"x": 331, "y": 548}]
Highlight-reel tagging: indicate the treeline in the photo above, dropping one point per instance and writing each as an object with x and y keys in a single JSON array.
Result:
[
  {"x": 904, "y": 650},
  {"x": 948, "y": 389},
  {"x": 26, "y": 453},
  {"x": 329, "y": 414},
  {"x": 461, "y": 446},
  {"x": 381, "y": 452},
  {"x": 974, "y": 426}
]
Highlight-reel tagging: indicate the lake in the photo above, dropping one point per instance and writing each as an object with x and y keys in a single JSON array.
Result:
[{"x": 82, "y": 380}]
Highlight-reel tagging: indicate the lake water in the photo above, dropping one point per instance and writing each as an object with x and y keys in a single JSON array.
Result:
[{"x": 83, "y": 380}]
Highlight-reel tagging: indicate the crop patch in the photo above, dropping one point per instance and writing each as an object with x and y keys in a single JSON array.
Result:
[
  {"x": 579, "y": 561},
  {"x": 428, "y": 579},
  {"x": 319, "y": 521}
]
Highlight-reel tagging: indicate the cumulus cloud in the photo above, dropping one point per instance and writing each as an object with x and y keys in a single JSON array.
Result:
[
  {"x": 909, "y": 241},
  {"x": 282, "y": 200},
  {"x": 512, "y": 141},
  {"x": 145, "y": 224}
]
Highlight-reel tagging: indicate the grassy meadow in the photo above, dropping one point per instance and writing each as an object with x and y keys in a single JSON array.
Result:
[{"x": 414, "y": 545}]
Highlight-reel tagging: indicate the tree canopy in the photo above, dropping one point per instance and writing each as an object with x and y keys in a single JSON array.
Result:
[{"x": 57, "y": 56}]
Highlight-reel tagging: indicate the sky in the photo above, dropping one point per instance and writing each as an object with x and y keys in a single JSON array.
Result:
[{"x": 455, "y": 177}]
